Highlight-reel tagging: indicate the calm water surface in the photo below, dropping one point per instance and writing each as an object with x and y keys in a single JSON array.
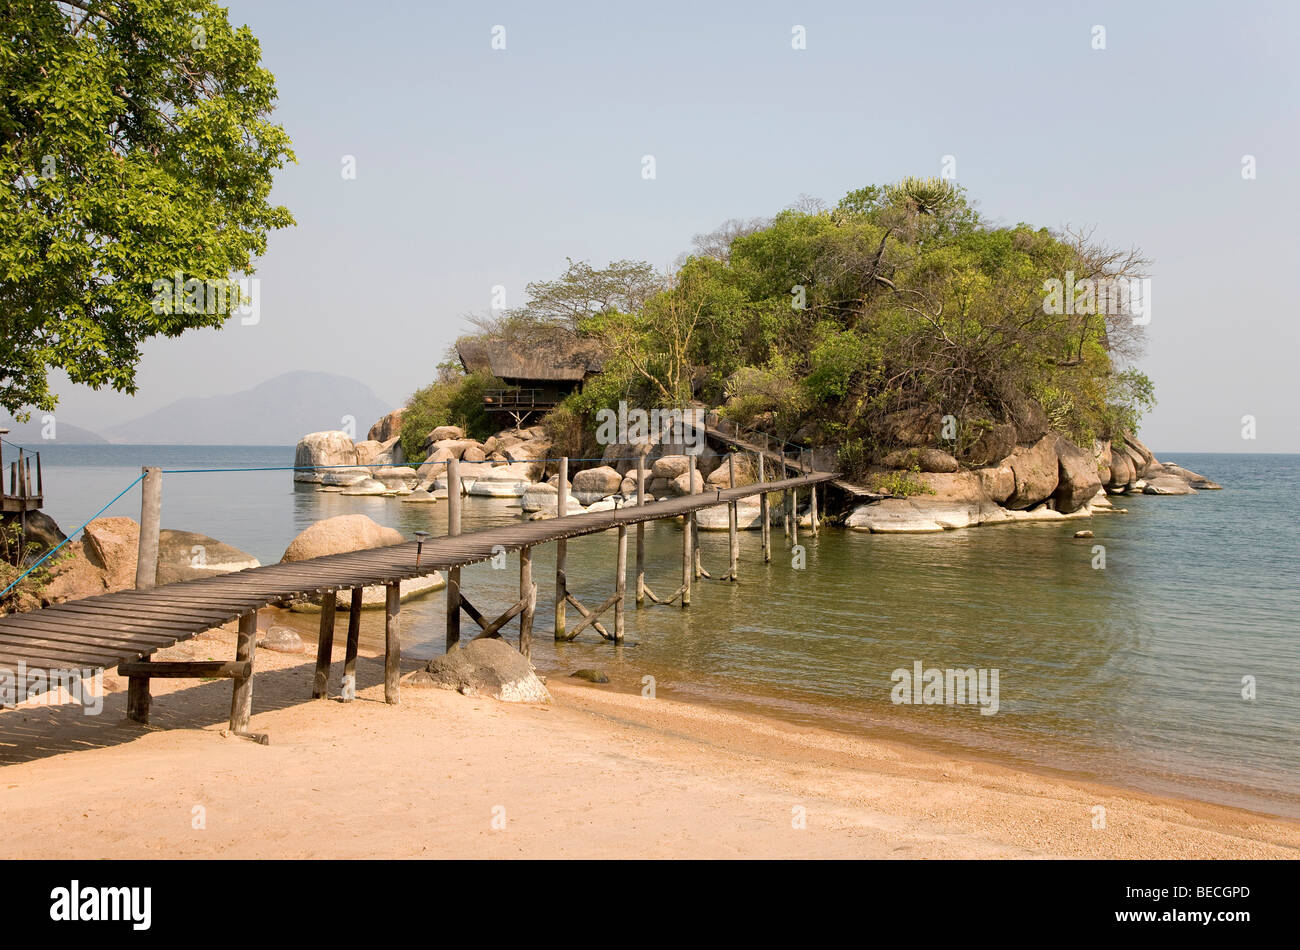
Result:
[{"x": 1131, "y": 674}]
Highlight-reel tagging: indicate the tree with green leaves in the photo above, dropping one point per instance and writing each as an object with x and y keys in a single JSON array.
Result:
[{"x": 136, "y": 145}]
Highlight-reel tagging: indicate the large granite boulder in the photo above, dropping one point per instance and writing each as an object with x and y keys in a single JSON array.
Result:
[
  {"x": 112, "y": 544},
  {"x": 319, "y": 453},
  {"x": 497, "y": 481},
  {"x": 592, "y": 484},
  {"x": 1077, "y": 481},
  {"x": 670, "y": 466},
  {"x": 997, "y": 482},
  {"x": 1036, "y": 472},
  {"x": 398, "y": 477},
  {"x": 1122, "y": 472},
  {"x": 41, "y": 532},
  {"x": 912, "y": 427},
  {"x": 749, "y": 516},
  {"x": 487, "y": 667},
  {"x": 993, "y": 445},
  {"x": 1101, "y": 460},
  {"x": 389, "y": 427},
  {"x": 1029, "y": 419},
  {"x": 746, "y": 473},
  {"x": 683, "y": 484},
  {"x": 446, "y": 432},
  {"x": 338, "y": 535},
  {"x": 923, "y": 458},
  {"x": 964, "y": 486},
  {"x": 187, "y": 555},
  {"x": 1139, "y": 449}
]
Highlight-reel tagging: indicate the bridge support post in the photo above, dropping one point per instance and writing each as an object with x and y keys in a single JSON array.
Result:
[
  {"x": 620, "y": 583},
  {"x": 392, "y": 642},
  {"x": 733, "y": 519},
  {"x": 528, "y": 594},
  {"x": 688, "y": 552},
  {"x": 561, "y": 551},
  {"x": 793, "y": 516},
  {"x": 241, "y": 698},
  {"x": 324, "y": 645},
  {"x": 453, "y": 574},
  {"x": 692, "y": 468},
  {"x": 640, "y": 530},
  {"x": 812, "y": 510},
  {"x": 766, "y": 512},
  {"x": 354, "y": 638}
]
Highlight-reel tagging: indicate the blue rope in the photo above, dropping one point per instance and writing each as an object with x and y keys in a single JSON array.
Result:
[
  {"x": 313, "y": 468},
  {"x": 70, "y": 537}
]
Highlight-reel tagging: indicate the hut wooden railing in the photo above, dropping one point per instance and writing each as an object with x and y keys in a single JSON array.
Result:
[{"x": 18, "y": 493}]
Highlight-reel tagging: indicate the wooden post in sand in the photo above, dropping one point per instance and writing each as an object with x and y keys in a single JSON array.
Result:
[
  {"x": 324, "y": 645},
  {"x": 640, "y": 531},
  {"x": 354, "y": 640},
  {"x": 453, "y": 574},
  {"x": 392, "y": 641},
  {"x": 766, "y": 513},
  {"x": 241, "y": 699},
  {"x": 561, "y": 550}
]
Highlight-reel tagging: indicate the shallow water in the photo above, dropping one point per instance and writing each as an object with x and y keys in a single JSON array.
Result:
[{"x": 1129, "y": 674}]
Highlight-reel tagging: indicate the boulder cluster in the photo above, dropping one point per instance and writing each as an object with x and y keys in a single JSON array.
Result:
[{"x": 1004, "y": 479}]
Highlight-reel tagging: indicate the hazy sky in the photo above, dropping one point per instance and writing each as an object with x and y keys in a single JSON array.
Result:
[{"x": 478, "y": 167}]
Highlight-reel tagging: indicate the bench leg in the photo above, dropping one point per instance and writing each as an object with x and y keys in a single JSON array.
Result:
[{"x": 138, "y": 699}]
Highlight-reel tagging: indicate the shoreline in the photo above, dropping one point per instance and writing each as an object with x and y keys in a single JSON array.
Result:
[{"x": 597, "y": 773}]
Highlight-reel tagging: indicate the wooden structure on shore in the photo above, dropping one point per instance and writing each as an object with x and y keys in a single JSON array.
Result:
[
  {"x": 123, "y": 629},
  {"x": 18, "y": 493}
]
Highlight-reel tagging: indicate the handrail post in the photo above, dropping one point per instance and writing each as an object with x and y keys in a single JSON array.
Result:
[
  {"x": 146, "y": 576},
  {"x": 146, "y": 565}
]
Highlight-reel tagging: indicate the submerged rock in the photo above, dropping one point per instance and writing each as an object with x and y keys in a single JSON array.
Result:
[
  {"x": 591, "y": 676},
  {"x": 1167, "y": 485},
  {"x": 1199, "y": 482}
]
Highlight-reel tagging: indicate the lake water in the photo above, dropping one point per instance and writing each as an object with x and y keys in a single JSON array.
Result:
[{"x": 1131, "y": 674}]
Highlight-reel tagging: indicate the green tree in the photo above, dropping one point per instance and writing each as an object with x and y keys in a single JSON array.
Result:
[{"x": 135, "y": 145}]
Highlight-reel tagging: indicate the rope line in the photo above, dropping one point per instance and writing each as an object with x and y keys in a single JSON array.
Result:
[{"x": 18, "y": 579}]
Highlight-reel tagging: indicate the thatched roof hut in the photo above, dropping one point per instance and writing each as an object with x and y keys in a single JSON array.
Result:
[{"x": 531, "y": 362}]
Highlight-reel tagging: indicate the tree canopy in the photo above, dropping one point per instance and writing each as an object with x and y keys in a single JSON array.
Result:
[
  {"x": 135, "y": 145},
  {"x": 828, "y": 324}
]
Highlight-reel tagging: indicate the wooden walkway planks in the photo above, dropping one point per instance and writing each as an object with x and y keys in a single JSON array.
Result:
[{"x": 124, "y": 626}]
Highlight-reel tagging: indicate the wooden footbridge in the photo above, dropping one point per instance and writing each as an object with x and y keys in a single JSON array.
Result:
[{"x": 123, "y": 629}]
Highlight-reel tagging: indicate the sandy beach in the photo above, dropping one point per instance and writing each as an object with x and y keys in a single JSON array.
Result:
[{"x": 596, "y": 774}]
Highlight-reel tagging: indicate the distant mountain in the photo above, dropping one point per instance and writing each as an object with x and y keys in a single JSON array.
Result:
[
  {"x": 32, "y": 433},
  {"x": 280, "y": 411}
]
